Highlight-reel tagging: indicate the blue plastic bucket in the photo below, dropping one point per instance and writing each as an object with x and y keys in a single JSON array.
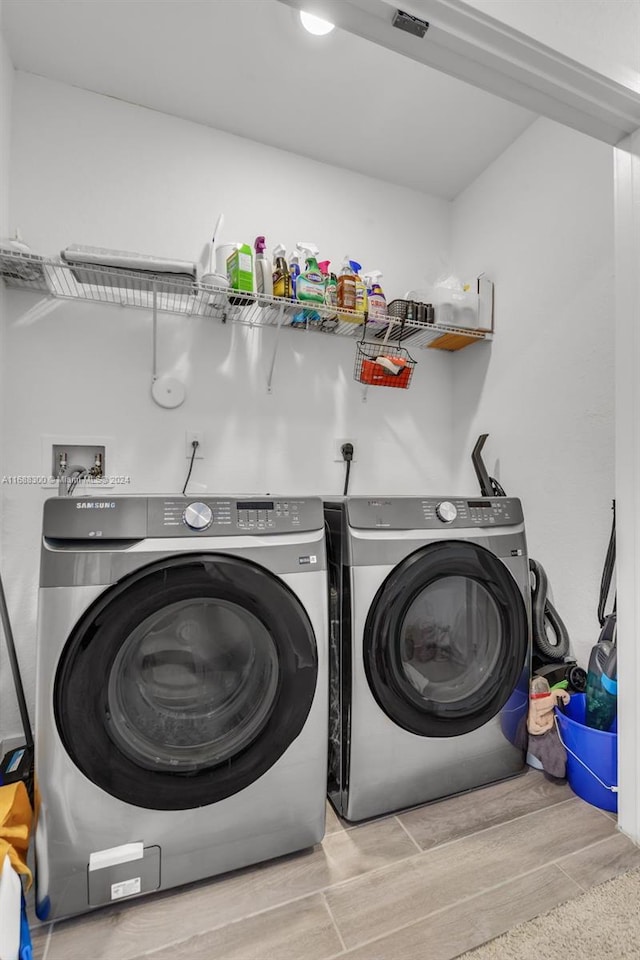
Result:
[{"x": 592, "y": 756}]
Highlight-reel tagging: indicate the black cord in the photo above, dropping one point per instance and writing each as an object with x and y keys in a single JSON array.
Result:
[
  {"x": 195, "y": 445},
  {"x": 346, "y": 479},
  {"x": 607, "y": 573},
  {"x": 347, "y": 455}
]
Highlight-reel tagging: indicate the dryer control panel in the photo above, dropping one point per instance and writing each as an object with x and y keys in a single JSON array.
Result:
[{"x": 429, "y": 513}]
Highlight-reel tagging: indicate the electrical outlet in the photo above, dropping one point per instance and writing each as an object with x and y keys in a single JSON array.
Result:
[
  {"x": 337, "y": 457},
  {"x": 191, "y": 436}
]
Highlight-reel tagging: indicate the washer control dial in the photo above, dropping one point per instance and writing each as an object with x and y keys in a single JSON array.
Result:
[
  {"x": 446, "y": 511},
  {"x": 198, "y": 516}
]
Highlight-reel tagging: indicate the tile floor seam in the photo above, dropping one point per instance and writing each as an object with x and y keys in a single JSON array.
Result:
[
  {"x": 582, "y": 887},
  {"x": 409, "y": 834},
  {"x": 335, "y": 925},
  {"x": 456, "y": 903}
]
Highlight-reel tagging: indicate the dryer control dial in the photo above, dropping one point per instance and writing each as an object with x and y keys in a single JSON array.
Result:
[
  {"x": 446, "y": 511},
  {"x": 198, "y": 516}
]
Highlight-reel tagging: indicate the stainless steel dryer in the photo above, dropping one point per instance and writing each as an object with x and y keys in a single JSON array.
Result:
[
  {"x": 181, "y": 692},
  {"x": 430, "y": 648}
]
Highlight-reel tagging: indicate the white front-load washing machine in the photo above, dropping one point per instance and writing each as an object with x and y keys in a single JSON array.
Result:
[
  {"x": 430, "y": 648},
  {"x": 181, "y": 720}
]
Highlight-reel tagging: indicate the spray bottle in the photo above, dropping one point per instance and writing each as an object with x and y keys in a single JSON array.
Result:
[
  {"x": 330, "y": 284},
  {"x": 361, "y": 290},
  {"x": 294, "y": 272},
  {"x": 281, "y": 275},
  {"x": 376, "y": 300},
  {"x": 347, "y": 291},
  {"x": 310, "y": 283},
  {"x": 264, "y": 269}
]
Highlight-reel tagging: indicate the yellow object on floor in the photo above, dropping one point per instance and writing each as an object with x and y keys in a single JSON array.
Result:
[{"x": 15, "y": 827}]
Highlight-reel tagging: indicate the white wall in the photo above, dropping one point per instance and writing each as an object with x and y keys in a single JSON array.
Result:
[
  {"x": 93, "y": 170},
  {"x": 600, "y": 34},
  {"x": 542, "y": 219}
]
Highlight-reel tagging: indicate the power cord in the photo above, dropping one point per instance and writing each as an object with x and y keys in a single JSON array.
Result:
[
  {"x": 195, "y": 445},
  {"x": 347, "y": 455}
]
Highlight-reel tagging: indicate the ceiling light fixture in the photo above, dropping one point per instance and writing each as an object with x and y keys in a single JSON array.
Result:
[{"x": 316, "y": 25}]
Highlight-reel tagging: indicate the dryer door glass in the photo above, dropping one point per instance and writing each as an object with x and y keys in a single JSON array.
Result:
[
  {"x": 187, "y": 681},
  {"x": 446, "y": 639},
  {"x": 450, "y": 641}
]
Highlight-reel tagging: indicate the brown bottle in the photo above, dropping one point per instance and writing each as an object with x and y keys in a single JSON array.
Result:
[{"x": 347, "y": 292}]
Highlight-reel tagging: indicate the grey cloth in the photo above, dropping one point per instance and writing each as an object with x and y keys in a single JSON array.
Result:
[{"x": 546, "y": 747}]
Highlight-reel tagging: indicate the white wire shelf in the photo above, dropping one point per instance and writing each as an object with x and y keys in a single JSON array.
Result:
[{"x": 161, "y": 292}]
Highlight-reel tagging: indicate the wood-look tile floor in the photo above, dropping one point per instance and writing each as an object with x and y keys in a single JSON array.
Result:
[{"x": 427, "y": 884}]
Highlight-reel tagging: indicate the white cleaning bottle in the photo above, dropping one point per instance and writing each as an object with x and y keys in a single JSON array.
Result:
[
  {"x": 264, "y": 269},
  {"x": 376, "y": 300}
]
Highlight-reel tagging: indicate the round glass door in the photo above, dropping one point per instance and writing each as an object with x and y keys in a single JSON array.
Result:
[
  {"x": 192, "y": 685},
  {"x": 446, "y": 639},
  {"x": 185, "y": 682}
]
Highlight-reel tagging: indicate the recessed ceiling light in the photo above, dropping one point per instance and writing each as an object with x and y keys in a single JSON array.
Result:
[{"x": 316, "y": 25}]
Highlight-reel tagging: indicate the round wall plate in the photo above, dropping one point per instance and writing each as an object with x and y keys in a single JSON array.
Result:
[{"x": 168, "y": 392}]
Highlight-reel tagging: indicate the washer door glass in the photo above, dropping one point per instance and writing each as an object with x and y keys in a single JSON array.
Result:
[
  {"x": 446, "y": 639},
  {"x": 185, "y": 682},
  {"x": 192, "y": 685}
]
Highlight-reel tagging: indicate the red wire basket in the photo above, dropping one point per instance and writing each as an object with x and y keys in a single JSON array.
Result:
[{"x": 376, "y": 364}]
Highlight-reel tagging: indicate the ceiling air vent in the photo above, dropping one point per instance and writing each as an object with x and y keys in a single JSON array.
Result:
[{"x": 409, "y": 23}]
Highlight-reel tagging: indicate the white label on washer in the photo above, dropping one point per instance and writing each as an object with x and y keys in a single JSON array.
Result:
[
  {"x": 100, "y": 859},
  {"x": 126, "y": 888}
]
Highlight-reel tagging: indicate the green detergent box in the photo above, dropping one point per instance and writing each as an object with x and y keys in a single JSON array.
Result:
[{"x": 240, "y": 268}]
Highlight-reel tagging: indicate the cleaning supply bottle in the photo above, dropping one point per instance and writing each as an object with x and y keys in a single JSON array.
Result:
[
  {"x": 310, "y": 283},
  {"x": 330, "y": 284},
  {"x": 361, "y": 290},
  {"x": 347, "y": 291},
  {"x": 294, "y": 273},
  {"x": 601, "y": 695},
  {"x": 281, "y": 275},
  {"x": 264, "y": 269},
  {"x": 376, "y": 300},
  {"x": 240, "y": 273}
]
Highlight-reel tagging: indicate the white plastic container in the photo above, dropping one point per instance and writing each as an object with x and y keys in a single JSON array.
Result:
[{"x": 452, "y": 308}]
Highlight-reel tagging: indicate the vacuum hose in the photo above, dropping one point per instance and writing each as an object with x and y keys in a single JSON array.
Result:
[{"x": 545, "y": 618}]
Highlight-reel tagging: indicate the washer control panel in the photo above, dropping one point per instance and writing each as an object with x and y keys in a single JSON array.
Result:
[
  {"x": 134, "y": 518},
  {"x": 221, "y": 516},
  {"x": 428, "y": 513}
]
